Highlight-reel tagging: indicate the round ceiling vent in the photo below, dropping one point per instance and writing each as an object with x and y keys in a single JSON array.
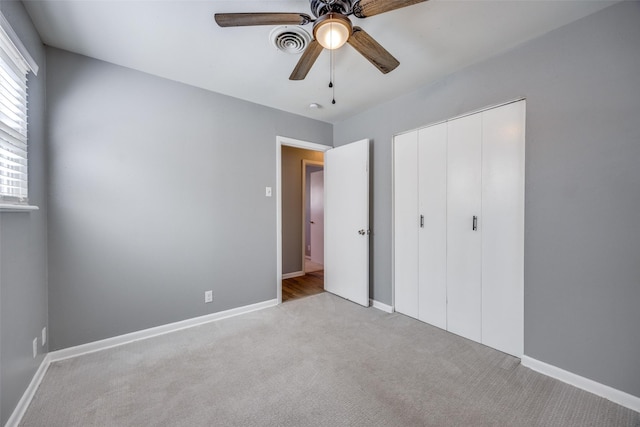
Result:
[{"x": 290, "y": 39}]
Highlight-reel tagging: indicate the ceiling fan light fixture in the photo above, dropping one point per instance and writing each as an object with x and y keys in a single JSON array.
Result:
[{"x": 332, "y": 30}]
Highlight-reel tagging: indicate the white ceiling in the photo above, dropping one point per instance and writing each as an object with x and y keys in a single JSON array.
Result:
[{"x": 179, "y": 40}]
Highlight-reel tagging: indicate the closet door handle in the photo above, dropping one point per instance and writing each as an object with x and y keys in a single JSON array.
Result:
[
  {"x": 475, "y": 223},
  {"x": 421, "y": 221}
]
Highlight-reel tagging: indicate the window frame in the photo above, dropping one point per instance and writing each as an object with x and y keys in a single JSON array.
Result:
[{"x": 15, "y": 66}]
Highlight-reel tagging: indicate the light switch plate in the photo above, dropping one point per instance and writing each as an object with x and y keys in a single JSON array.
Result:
[{"x": 267, "y": 191}]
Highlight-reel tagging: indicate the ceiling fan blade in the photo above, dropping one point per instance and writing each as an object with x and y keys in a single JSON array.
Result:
[
  {"x": 249, "y": 19},
  {"x": 372, "y": 50},
  {"x": 366, "y": 8},
  {"x": 306, "y": 61}
]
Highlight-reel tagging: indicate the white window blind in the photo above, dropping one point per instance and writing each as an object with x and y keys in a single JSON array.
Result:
[{"x": 14, "y": 67}]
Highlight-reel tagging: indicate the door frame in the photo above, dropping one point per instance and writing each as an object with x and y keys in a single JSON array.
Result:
[
  {"x": 297, "y": 143},
  {"x": 306, "y": 163}
]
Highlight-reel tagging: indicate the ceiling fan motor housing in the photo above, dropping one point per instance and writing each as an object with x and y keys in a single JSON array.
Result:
[{"x": 322, "y": 7}]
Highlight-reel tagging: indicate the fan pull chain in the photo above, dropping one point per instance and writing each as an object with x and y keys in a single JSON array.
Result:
[{"x": 332, "y": 77}]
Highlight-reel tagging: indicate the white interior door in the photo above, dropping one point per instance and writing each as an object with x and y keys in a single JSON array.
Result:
[
  {"x": 346, "y": 205},
  {"x": 406, "y": 222},
  {"x": 503, "y": 153},
  {"x": 464, "y": 256},
  {"x": 432, "y": 184},
  {"x": 316, "y": 214}
]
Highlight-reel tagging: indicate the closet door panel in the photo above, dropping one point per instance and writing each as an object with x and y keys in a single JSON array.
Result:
[
  {"x": 464, "y": 260},
  {"x": 406, "y": 222},
  {"x": 503, "y": 228},
  {"x": 432, "y": 188}
]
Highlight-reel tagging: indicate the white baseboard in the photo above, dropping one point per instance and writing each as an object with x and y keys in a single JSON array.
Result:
[
  {"x": 91, "y": 347},
  {"x": 620, "y": 397},
  {"x": 292, "y": 275},
  {"x": 381, "y": 306},
  {"x": 25, "y": 400}
]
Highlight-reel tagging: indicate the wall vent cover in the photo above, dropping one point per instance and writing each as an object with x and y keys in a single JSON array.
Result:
[{"x": 290, "y": 39}]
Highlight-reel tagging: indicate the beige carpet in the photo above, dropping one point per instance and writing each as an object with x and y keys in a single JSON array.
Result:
[{"x": 317, "y": 361}]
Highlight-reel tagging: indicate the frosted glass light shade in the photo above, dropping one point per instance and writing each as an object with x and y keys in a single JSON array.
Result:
[{"x": 332, "y": 32}]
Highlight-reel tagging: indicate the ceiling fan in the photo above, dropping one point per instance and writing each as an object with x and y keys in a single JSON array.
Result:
[{"x": 332, "y": 28}]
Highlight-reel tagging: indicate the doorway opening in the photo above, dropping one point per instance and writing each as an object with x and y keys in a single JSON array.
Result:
[
  {"x": 300, "y": 218},
  {"x": 311, "y": 281}
]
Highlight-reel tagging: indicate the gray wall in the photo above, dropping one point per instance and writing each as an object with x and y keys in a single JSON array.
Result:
[
  {"x": 23, "y": 242},
  {"x": 292, "y": 205},
  {"x": 156, "y": 195},
  {"x": 582, "y": 239}
]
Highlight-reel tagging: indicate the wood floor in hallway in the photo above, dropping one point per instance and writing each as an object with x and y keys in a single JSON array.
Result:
[{"x": 303, "y": 286}]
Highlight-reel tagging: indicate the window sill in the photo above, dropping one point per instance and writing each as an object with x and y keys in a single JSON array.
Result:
[{"x": 6, "y": 207}]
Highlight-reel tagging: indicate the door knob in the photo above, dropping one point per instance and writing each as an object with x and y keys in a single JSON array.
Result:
[{"x": 312, "y": 222}]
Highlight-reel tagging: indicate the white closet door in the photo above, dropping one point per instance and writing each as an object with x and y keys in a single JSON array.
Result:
[
  {"x": 406, "y": 220},
  {"x": 503, "y": 228},
  {"x": 432, "y": 188},
  {"x": 464, "y": 260}
]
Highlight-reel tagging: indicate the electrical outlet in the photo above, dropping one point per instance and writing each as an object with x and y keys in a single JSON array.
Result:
[
  {"x": 44, "y": 336},
  {"x": 35, "y": 347},
  {"x": 208, "y": 296}
]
